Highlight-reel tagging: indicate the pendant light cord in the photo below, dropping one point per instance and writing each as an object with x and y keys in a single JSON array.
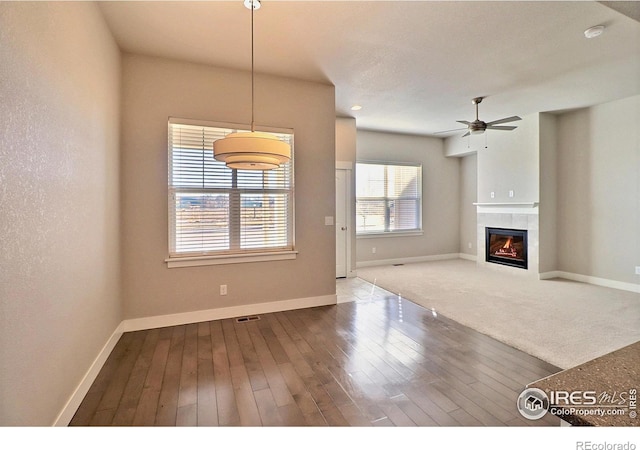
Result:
[{"x": 252, "y": 81}]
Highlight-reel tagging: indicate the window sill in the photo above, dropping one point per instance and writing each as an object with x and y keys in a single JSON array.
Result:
[
  {"x": 389, "y": 234},
  {"x": 209, "y": 260}
]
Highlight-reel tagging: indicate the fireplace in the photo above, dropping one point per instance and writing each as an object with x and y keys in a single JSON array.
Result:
[{"x": 506, "y": 246}]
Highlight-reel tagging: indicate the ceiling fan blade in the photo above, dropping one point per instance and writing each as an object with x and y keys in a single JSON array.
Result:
[
  {"x": 466, "y": 134},
  {"x": 464, "y": 122},
  {"x": 493, "y": 127},
  {"x": 505, "y": 120},
  {"x": 450, "y": 131}
]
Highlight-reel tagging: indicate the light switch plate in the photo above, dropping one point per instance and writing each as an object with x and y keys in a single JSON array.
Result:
[{"x": 328, "y": 220}]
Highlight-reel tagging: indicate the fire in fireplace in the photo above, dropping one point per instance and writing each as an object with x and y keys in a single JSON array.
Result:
[{"x": 506, "y": 246}]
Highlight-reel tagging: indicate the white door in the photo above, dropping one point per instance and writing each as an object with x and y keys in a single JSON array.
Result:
[{"x": 341, "y": 222}]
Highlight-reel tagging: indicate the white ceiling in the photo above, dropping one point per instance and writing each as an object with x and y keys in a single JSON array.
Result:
[{"x": 414, "y": 66}]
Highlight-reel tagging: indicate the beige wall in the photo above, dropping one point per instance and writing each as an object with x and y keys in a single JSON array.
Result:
[
  {"x": 510, "y": 161},
  {"x": 468, "y": 196},
  {"x": 507, "y": 160},
  {"x": 155, "y": 89},
  {"x": 440, "y": 196},
  {"x": 548, "y": 142},
  {"x": 599, "y": 191},
  {"x": 59, "y": 197},
  {"x": 346, "y": 137}
]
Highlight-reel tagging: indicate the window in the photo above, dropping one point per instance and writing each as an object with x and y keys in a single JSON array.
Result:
[
  {"x": 388, "y": 198},
  {"x": 216, "y": 211}
]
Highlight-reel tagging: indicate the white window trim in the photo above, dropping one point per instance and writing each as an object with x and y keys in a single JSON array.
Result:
[
  {"x": 212, "y": 260},
  {"x": 386, "y": 234},
  {"x": 400, "y": 233},
  {"x": 234, "y": 258}
]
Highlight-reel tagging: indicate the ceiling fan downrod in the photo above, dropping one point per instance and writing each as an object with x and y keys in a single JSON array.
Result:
[{"x": 476, "y": 101}]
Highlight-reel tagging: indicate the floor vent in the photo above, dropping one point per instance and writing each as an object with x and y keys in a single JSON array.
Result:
[{"x": 247, "y": 319}]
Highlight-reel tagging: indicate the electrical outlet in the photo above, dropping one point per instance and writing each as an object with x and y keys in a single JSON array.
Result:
[
  {"x": 510, "y": 194},
  {"x": 637, "y": 270},
  {"x": 373, "y": 249},
  {"x": 493, "y": 194},
  {"x": 470, "y": 245},
  {"x": 223, "y": 289}
]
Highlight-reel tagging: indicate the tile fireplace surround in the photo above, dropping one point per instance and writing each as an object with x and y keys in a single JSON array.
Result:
[{"x": 521, "y": 216}]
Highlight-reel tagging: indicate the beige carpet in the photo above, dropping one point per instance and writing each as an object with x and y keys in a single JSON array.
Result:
[{"x": 562, "y": 322}]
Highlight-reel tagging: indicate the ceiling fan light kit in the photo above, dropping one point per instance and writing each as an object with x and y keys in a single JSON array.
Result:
[{"x": 252, "y": 150}]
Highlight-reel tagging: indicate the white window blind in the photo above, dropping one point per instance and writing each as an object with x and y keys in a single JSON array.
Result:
[
  {"x": 388, "y": 198},
  {"x": 214, "y": 210}
]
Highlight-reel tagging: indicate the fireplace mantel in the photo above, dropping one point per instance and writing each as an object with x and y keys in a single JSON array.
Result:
[
  {"x": 508, "y": 207},
  {"x": 510, "y": 204}
]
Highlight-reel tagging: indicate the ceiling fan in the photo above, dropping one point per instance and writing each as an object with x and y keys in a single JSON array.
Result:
[{"x": 478, "y": 126}]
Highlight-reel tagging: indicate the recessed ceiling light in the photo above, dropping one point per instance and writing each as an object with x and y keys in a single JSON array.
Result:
[
  {"x": 356, "y": 108},
  {"x": 593, "y": 31}
]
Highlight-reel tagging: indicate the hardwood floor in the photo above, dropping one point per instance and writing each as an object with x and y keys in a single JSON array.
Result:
[{"x": 378, "y": 360}]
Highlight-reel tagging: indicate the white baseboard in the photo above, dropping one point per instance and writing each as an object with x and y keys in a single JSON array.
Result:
[
  {"x": 407, "y": 260},
  {"x": 145, "y": 323},
  {"x": 67, "y": 413},
  {"x": 170, "y": 320},
  {"x": 549, "y": 275},
  {"x": 468, "y": 257},
  {"x": 591, "y": 280}
]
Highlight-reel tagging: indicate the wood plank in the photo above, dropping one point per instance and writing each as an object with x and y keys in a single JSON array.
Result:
[
  {"x": 126, "y": 410},
  {"x": 334, "y": 417},
  {"x": 225, "y": 397},
  {"x": 302, "y": 345},
  {"x": 243, "y": 392},
  {"x": 302, "y": 397},
  {"x": 465, "y": 419},
  {"x": 187, "y": 415},
  {"x": 497, "y": 406},
  {"x": 382, "y": 422},
  {"x": 106, "y": 390},
  {"x": 267, "y": 408},
  {"x": 429, "y": 407},
  {"x": 484, "y": 414},
  {"x": 291, "y": 415},
  {"x": 354, "y": 415},
  {"x": 168, "y": 400},
  {"x": 250, "y": 358},
  {"x": 397, "y": 416},
  {"x": 277, "y": 385},
  {"x": 207, "y": 405},
  {"x": 188, "y": 390},
  {"x": 247, "y": 407},
  {"x": 415, "y": 413},
  {"x": 277, "y": 351},
  {"x": 148, "y": 405}
]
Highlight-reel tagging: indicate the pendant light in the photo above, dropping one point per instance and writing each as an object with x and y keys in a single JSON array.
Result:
[{"x": 253, "y": 150}]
